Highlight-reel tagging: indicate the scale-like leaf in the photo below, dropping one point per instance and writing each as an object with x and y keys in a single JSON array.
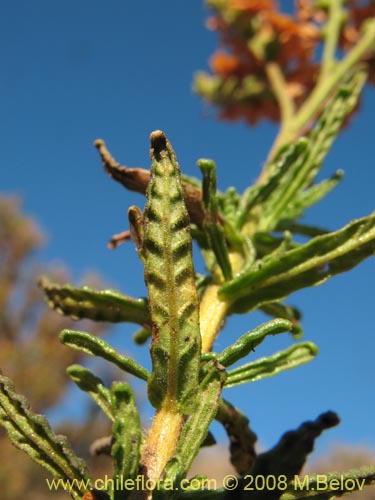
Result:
[
  {"x": 98, "y": 305},
  {"x": 93, "y": 385},
  {"x": 126, "y": 437},
  {"x": 31, "y": 433},
  {"x": 310, "y": 264},
  {"x": 89, "y": 344},
  {"x": 169, "y": 274}
]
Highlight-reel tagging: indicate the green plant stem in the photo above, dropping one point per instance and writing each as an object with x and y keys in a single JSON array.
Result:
[
  {"x": 279, "y": 87},
  {"x": 323, "y": 89},
  {"x": 332, "y": 32}
]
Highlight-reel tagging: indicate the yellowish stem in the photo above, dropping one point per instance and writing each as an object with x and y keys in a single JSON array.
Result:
[
  {"x": 212, "y": 316},
  {"x": 213, "y": 310},
  {"x": 280, "y": 89},
  {"x": 161, "y": 441},
  {"x": 160, "y": 446}
]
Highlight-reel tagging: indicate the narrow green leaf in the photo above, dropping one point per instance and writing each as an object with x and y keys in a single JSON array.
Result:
[
  {"x": 279, "y": 310},
  {"x": 310, "y": 264},
  {"x": 250, "y": 340},
  {"x": 195, "y": 430},
  {"x": 228, "y": 203},
  {"x": 287, "y": 359},
  {"x": 329, "y": 485},
  {"x": 89, "y": 344},
  {"x": 311, "y": 196},
  {"x": 31, "y": 433},
  {"x": 141, "y": 336},
  {"x": 286, "y": 243},
  {"x": 242, "y": 439},
  {"x": 86, "y": 302},
  {"x": 93, "y": 385},
  {"x": 214, "y": 230},
  {"x": 205, "y": 409},
  {"x": 307, "y": 165},
  {"x": 127, "y": 436},
  {"x": 279, "y": 167},
  {"x": 267, "y": 244},
  {"x": 169, "y": 274},
  {"x": 297, "y": 228}
]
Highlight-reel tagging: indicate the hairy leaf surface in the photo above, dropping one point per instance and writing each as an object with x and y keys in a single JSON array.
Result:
[{"x": 169, "y": 274}]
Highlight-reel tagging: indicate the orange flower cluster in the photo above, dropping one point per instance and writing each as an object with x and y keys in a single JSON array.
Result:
[{"x": 255, "y": 33}]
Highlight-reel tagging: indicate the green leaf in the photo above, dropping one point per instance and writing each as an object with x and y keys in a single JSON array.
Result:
[
  {"x": 279, "y": 310},
  {"x": 329, "y": 485},
  {"x": 195, "y": 430},
  {"x": 89, "y": 344},
  {"x": 229, "y": 203},
  {"x": 250, "y": 340},
  {"x": 86, "y": 302},
  {"x": 258, "y": 194},
  {"x": 31, "y": 433},
  {"x": 242, "y": 439},
  {"x": 311, "y": 196},
  {"x": 308, "y": 163},
  {"x": 310, "y": 264},
  {"x": 287, "y": 359},
  {"x": 297, "y": 228},
  {"x": 267, "y": 244},
  {"x": 93, "y": 385},
  {"x": 286, "y": 243},
  {"x": 169, "y": 274},
  {"x": 126, "y": 435},
  {"x": 141, "y": 336},
  {"x": 214, "y": 230}
]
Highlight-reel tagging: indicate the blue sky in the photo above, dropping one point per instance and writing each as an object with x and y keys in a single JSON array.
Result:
[{"x": 72, "y": 72}]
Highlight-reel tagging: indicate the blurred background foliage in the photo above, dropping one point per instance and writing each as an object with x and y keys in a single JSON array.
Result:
[{"x": 30, "y": 350}]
